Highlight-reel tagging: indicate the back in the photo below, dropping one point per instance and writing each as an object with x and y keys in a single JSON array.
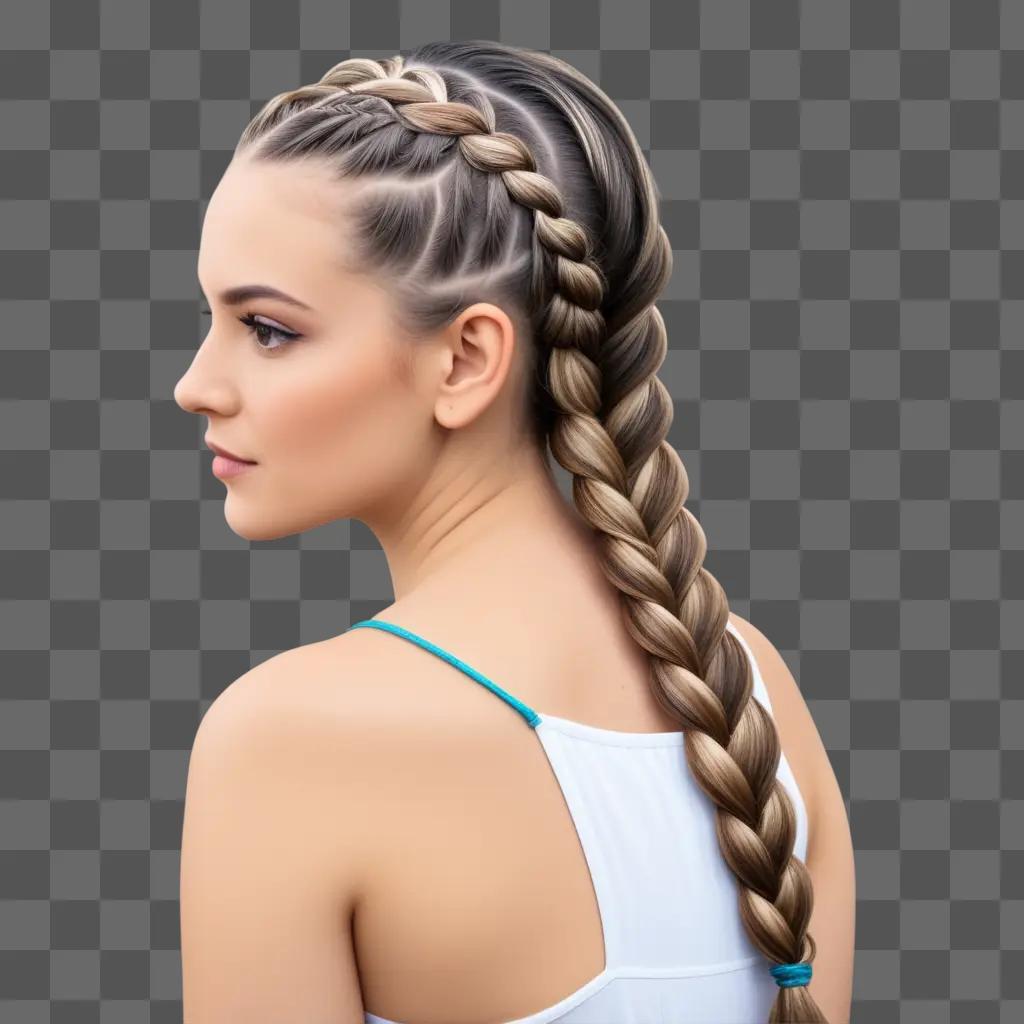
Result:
[{"x": 590, "y": 855}]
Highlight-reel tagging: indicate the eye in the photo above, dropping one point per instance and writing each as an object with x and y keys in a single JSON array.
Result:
[
  {"x": 257, "y": 326},
  {"x": 261, "y": 330}
]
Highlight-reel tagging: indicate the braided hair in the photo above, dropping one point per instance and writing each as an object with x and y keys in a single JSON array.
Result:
[{"x": 455, "y": 211}]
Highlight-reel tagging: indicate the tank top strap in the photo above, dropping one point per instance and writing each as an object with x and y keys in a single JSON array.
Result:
[{"x": 531, "y": 716}]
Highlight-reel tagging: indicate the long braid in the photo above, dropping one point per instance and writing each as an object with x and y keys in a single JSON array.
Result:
[{"x": 611, "y": 418}]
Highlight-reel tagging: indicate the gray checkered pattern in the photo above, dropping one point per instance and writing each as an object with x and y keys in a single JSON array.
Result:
[{"x": 843, "y": 184}]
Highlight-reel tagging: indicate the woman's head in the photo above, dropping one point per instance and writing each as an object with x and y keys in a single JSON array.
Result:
[
  {"x": 427, "y": 229},
  {"x": 476, "y": 230},
  {"x": 341, "y": 409}
]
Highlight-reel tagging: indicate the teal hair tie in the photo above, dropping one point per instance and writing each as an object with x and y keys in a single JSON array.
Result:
[{"x": 791, "y": 975}]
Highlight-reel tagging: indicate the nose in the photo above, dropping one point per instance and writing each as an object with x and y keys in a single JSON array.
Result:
[
  {"x": 203, "y": 388},
  {"x": 186, "y": 395},
  {"x": 189, "y": 390}
]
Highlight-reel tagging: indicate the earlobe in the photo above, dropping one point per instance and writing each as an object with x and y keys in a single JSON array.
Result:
[{"x": 444, "y": 413}]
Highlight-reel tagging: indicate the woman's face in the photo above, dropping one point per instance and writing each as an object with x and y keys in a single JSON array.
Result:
[{"x": 319, "y": 413}]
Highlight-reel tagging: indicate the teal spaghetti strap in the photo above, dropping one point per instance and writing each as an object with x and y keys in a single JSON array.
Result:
[
  {"x": 791, "y": 975},
  {"x": 529, "y": 714}
]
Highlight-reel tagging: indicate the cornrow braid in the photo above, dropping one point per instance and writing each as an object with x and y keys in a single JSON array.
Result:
[{"x": 414, "y": 126}]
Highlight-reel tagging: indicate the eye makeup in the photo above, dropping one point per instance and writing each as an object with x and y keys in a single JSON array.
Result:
[{"x": 263, "y": 328}]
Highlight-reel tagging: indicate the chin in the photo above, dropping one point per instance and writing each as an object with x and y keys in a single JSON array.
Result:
[
  {"x": 259, "y": 534},
  {"x": 257, "y": 525}
]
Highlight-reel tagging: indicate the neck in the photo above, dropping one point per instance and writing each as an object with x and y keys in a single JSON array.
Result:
[{"x": 510, "y": 523}]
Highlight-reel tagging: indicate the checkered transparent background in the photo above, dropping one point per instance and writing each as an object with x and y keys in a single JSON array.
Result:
[{"x": 843, "y": 184}]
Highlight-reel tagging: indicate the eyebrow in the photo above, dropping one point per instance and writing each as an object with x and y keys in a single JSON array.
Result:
[{"x": 244, "y": 292}]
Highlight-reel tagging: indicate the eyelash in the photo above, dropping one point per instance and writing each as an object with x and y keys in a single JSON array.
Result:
[{"x": 254, "y": 325}]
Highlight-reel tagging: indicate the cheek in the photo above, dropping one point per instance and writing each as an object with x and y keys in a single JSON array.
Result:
[{"x": 342, "y": 436}]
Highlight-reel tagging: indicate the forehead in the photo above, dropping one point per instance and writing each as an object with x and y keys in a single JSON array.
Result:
[{"x": 280, "y": 223}]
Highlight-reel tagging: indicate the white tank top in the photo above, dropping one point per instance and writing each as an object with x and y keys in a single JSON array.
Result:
[{"x": 676, "y": 950}]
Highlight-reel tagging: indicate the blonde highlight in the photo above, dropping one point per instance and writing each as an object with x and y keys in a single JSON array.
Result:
[{"x": 592, "y": 258}]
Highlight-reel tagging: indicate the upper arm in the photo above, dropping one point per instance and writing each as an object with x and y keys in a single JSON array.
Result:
[
  {"x": 269, "y": 868},
  {"x": 830, "y": 857}
]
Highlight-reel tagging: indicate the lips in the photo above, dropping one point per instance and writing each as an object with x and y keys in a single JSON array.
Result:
[{"x": 216, "y": 449}]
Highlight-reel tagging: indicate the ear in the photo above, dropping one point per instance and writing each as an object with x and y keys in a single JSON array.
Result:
[{"x": 479, "y": 349}]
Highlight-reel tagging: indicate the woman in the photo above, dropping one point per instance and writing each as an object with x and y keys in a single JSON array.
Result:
[{"x": 423, "y": 272}]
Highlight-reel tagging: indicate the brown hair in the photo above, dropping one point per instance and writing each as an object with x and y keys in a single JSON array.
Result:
[{"x": 577, "y": 256}]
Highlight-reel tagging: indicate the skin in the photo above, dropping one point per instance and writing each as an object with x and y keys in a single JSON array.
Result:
[
  {"x": 423, "y": 440},
  {"x": 318, "y": 413}
]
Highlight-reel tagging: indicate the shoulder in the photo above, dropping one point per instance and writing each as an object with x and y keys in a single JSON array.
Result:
[
  {"x": 830, "y": 857},
  {"x": 273, "y": 848},
  {"x": 783, "y": 691},
  {"x": 778, "y": 679},
  {"x": 317, "y": 687},
  {"x": 798, "y": 732},
  {"x": 280, "y": 745},
  {"x": 276, "y": 696},
  {"x": 316, "y": 710},
  {"x": 285, "y": 717}
]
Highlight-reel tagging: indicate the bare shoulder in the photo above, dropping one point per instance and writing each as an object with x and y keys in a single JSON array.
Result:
[
  {"x": 313, "y": 685},
  {"x": 272, "y": 849},
  {"x": 291, "y": 716},
  {"x": 830, "y": 856},
  {"x": 797, "y": 730},
  {"x": 334, "y": 702},
  {"x": 301, "y": 722}
]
